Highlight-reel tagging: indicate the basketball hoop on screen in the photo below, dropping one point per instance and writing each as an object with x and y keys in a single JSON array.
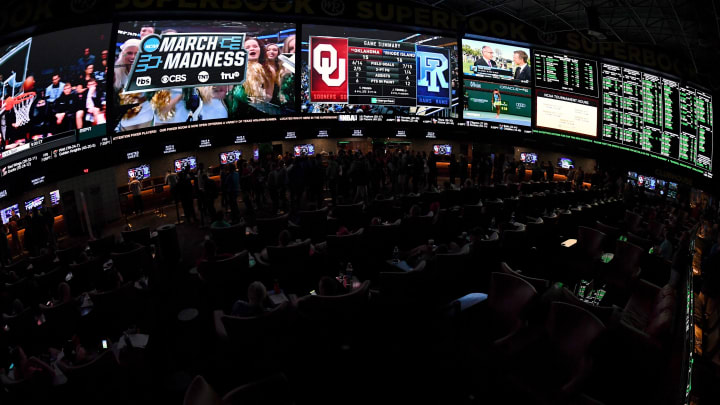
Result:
[{"x": 21, "y": 105}]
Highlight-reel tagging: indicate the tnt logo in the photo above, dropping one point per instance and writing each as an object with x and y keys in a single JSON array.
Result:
[
  {"x": 229, "y": 76},
  {"x": 433, "y": 67},
  {"x": 143, "y": 81},
  {"x": 203, "y": 76}
]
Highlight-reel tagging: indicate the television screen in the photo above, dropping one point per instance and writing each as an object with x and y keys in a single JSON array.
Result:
[
  {"x": 6, "y": 213},
  {"x": 181, "y": 164},
  {"x": 528, "y": 157},
  {"x": 56, "y": 73},
  {"x": 230, "y": 157},
  {"x": 641, "y": 181},
  {"x": 365, "y": 71},
  {"x": 648, "y": 113},
  {"x": 503, "y": 106},
  {"x": 566, "y": 163},
  {"x": 442, "y": 149},
  {"x": 304, "y": 150},
  {"x": 650, "y": 183},
  {"x": 496, "y": 62},
  {"x": 54, "y": 197},
  {"x": 140, "y": 172},
  {"x": 35, "y": 202},
  {"x": 632, "y": 175},
  {"x": 174, "y": 72}
]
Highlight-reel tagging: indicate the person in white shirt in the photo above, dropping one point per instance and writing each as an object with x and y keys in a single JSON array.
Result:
[{"x": 53, "y": 91}]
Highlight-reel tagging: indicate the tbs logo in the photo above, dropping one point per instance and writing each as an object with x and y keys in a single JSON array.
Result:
[
  {"x": 203, "y": 76},
  {"x": 143, "y": 81},
  {"x": 173, "y": 78},
  {"x": 229, "y": 76}
]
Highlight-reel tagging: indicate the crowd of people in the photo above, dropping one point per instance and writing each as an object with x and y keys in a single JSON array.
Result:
[{"x": 39, "y": 233}]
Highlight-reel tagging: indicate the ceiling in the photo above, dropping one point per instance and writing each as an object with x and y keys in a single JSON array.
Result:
[{"x": 686, "y": 28}]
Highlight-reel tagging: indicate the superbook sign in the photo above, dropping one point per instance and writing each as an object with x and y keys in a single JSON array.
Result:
[{"x": 188, "y": 60}]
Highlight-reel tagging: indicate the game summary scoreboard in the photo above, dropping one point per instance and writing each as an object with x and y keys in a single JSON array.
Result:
[
  {"x": 651, "y": 113},
  {"x": 378, "y": 72}
]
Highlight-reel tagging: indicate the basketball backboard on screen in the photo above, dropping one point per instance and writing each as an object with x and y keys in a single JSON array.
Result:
[{"x": 13, "y": 71}]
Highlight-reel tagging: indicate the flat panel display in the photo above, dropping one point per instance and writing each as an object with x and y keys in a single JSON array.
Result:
[
  {"x": 54, "y": 197},
  {"x": 140, "y": 172},
  {"x": 34, "y": 203},
  {"x": 528, "y": 157},
  {"x": 566, "y": 98},
  {"x": 53, "y": 89},
  {"x": 230, "y": 157},
  {"x": 498, "y": 62},
  {"x": 442, "y": 149},
  {"x": 501, "y": 105},
  {"x": 364, "y": 71},
  {"x": 304, "y": 150},
  {"x": 566, "y": 163},
  {"x": 646, "y": 112},
  {"x": 186, "y": 162},
  {"x": 6, "y": 213},
  {"x": 175, "y": 72}
]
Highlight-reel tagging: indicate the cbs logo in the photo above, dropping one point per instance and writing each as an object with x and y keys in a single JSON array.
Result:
[{"x": 173, "y": 78}]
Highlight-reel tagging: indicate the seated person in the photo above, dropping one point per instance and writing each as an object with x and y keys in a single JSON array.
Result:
[
  {"x": 112, "y": 280},
  {"x": 330, "y": 287},
  {"x": 255, "y": 305},
  {"x": 210, "y": 253},
  {"x": 219, "y": 220},
  {"x": 376, "y": 221},
  {"x": 28, "y": 368},
  {"x": 64, "y": 295},
  {"x": 284, "y": 239},
  {"x": 74, "y": 353}
]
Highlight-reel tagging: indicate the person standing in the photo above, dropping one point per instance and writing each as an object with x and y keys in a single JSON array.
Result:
[
  {"x": 185, "y": 191},
  {"x": 463, "y": 169},
  {"x": 15, "y": 242},
  {"x": 550, "y": 171},
  {"x": 453, "y": 168},
  {"x": 4, "y": 246},
  {"x": 332, "y": 173},
  {"x": 135, "y": 190}
]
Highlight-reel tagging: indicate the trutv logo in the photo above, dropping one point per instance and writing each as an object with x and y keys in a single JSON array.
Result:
[{"x": 328, "y": 70}]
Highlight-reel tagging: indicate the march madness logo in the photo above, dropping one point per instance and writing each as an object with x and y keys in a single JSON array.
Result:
[
  {"x": 188, "y": 60},
  {"x": 433, "y": 76},
  {"x": 328, "y": 70}
]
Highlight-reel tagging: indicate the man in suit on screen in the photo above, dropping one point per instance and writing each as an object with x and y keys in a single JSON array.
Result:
[
  {"x": 522, "y": 70},
  {"x": 487, "y": 58}
]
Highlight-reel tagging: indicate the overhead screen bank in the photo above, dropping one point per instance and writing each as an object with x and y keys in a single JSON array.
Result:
[{"x": 100, "y": 95}]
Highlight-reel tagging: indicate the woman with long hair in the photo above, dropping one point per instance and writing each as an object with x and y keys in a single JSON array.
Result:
[
  {"x": 141, "y": 114},
  {"x": 497, "y": 102},
  {"x": 259, "y": 86}
]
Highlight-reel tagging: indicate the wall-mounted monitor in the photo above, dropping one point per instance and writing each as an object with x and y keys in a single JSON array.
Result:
[
  {"x": 186, "y": 162},
  {"x": 140, "y": 172},
  {"x": 34, "y": 203},
  {"x": 650, "y": 183},
  {"x": 378, "y": 72},
  {"x": 502, "y": 106},
  {"x": 304, "y": 150},
  {"x": 528, "y": 157},
  {"x": 566, "y": 163},
  {"x": 54, "y": 197},
  {"x": 496, "y": 62},
  {"x": 230, "y": 157},
  {"x": 35, "y": 74},
  {"x": 6, "y": 213},
  {"x": 442, "y": 150},
  {"x": 201, "y": 70}
]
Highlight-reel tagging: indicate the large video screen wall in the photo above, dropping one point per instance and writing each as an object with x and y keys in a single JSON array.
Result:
[
  {"x": 176, "y": 76},
  {"x": 53, "y": 89},
  {"x": 174, "y": 72},
  {"x": 363, "y": 71}
]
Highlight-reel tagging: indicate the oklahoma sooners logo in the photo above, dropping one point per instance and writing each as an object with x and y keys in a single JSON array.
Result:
[
  {"x": 328, "y": 66},
  {"x": 328, "y": 72}
]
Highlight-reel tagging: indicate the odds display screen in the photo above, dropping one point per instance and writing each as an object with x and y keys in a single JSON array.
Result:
[
  {"x": 567, "y": 94},
  {"x": 645, "y": 112},
  {"x": 378, "y": 72},
  {"x": 177, "y": 72},
  {"x": 54, "y": 197},
  {"x": 53, "y": 90}
]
